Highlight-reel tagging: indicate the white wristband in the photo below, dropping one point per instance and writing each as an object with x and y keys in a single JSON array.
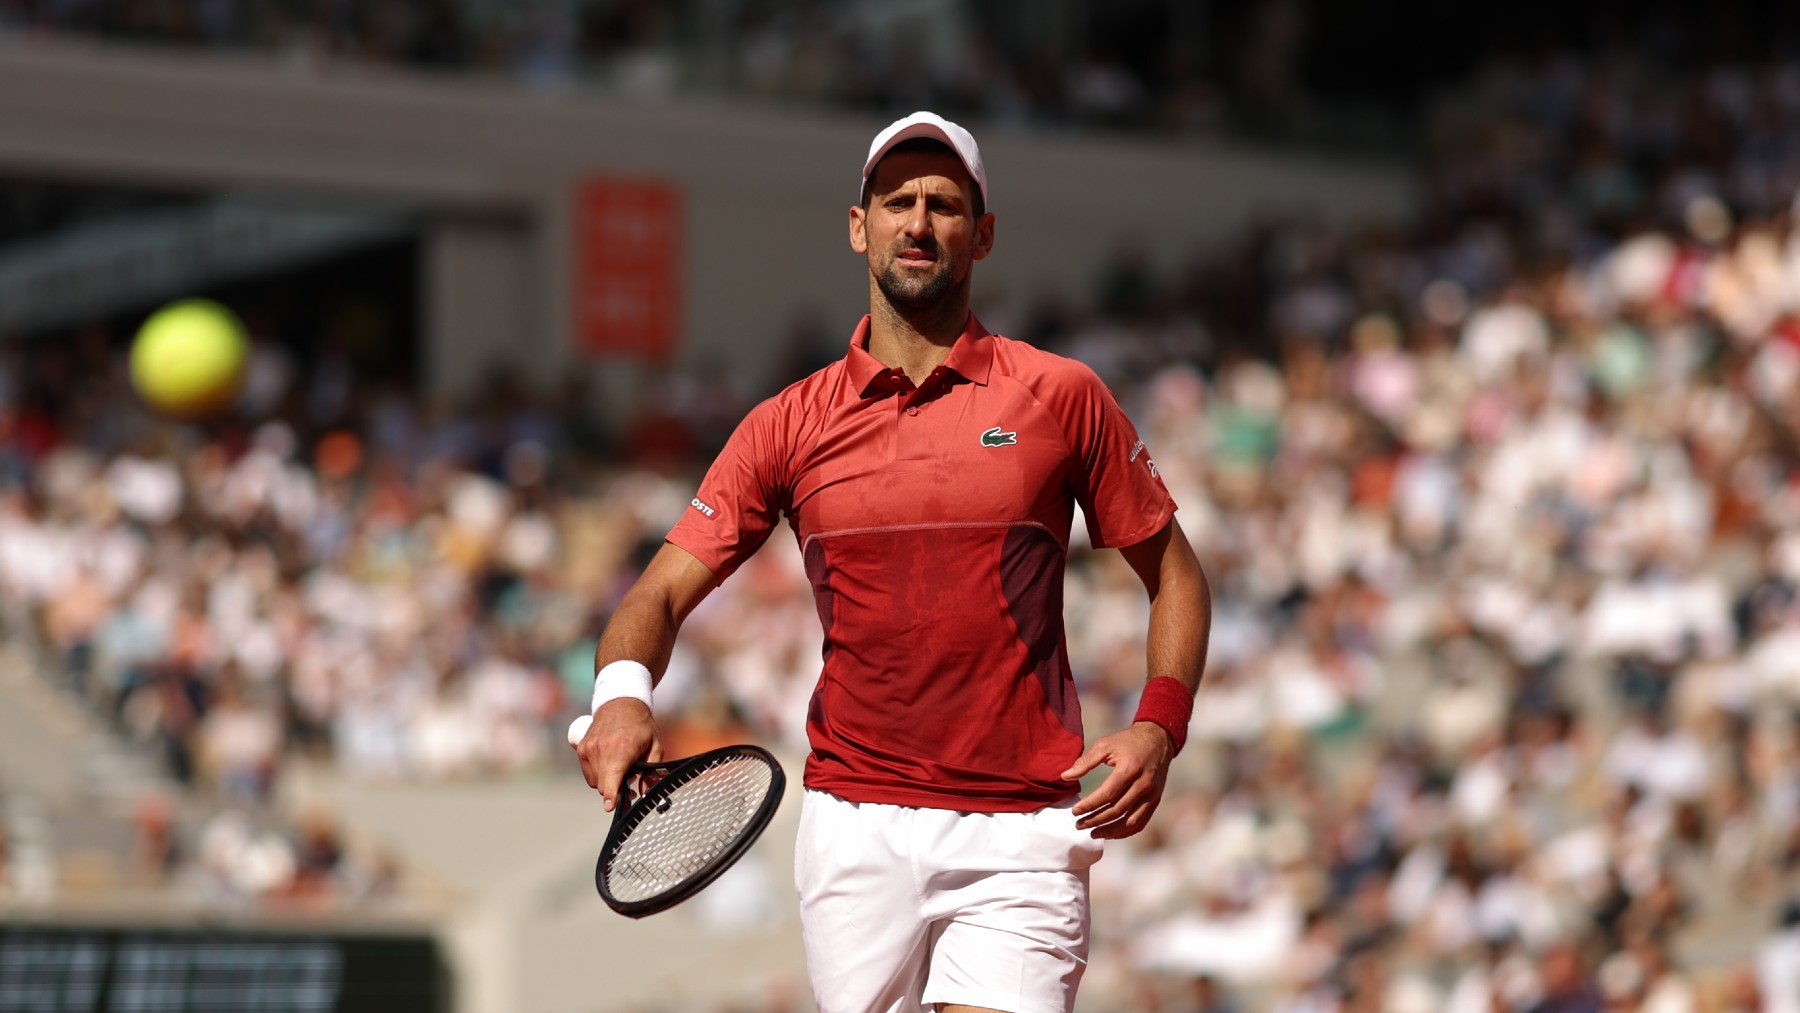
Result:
[{"x": 621, "y": 679}]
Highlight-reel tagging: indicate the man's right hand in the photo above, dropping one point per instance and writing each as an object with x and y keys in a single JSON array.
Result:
[{"x": 623, "y": 734}]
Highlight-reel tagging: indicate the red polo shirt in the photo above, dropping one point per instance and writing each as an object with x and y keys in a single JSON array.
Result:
[{"x": 934, "y": 522}]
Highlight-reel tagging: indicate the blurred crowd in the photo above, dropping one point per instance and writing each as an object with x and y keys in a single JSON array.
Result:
[
  {"x": 966, "y": 59},
  {"x": 1505, "y": 538},
  {"x": 1501, "y": 510}
]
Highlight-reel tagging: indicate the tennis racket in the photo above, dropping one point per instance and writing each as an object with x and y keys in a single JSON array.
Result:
[{"x": 687, "y": 822}]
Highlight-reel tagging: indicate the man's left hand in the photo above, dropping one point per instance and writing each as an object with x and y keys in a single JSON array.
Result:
[{"x": 1121, "y": 806}]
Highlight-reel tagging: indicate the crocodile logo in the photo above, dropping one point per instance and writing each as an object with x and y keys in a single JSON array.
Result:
[{"x": 995, "y": 438}]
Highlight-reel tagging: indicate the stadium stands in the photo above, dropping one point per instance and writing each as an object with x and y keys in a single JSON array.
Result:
[{"x": 1501, "y": 509}]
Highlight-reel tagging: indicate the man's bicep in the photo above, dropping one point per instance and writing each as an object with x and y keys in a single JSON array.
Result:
[
  {"x": 1164, "y": 555},
  {"x": 682, "y": 579}
]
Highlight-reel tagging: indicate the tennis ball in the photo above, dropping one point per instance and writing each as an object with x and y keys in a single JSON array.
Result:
[{"x": 188, "y": 358}]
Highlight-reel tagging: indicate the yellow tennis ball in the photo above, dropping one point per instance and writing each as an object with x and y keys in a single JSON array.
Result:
[{"x": 188, "y": 358}]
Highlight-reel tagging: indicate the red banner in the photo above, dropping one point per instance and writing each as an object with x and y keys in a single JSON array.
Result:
[{"x": 627, "y": 267}]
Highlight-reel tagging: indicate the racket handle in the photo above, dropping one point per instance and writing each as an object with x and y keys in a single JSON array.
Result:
[{"x": 578, "y": 729}]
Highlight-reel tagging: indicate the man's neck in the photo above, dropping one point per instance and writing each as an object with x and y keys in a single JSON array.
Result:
[{"x": 917, "y": 341}]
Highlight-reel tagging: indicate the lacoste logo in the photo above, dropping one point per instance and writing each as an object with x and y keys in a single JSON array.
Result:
[
  {"x": 995, "y": 438},
  {"x": 703, "y": 508}
]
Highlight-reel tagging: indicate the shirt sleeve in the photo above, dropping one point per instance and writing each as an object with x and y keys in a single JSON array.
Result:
[
  {"x": 741, "y": 497},
  {"x": 1114, "y": 479}
]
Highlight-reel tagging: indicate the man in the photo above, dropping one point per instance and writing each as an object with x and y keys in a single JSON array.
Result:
[{"x": 931, "y": 477}]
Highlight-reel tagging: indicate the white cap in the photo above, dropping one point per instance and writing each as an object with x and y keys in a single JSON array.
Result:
[{"x": 924, "y": 124}]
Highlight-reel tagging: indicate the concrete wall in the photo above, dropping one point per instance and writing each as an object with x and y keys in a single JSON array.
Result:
[{"x": 491, "y": 166}]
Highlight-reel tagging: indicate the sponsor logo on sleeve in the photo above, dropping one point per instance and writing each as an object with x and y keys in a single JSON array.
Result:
[
  {"x": 703, "y": 508},
  {"x": 1137, "y": 449}
]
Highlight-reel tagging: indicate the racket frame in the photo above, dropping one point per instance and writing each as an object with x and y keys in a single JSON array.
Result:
[{"x": 669, "y": 777}]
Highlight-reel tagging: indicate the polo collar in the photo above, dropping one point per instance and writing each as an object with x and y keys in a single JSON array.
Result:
[{"x": 972, "y": 357}]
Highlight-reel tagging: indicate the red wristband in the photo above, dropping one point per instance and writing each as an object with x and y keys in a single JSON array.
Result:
[{"x": 1167, "y": 704}]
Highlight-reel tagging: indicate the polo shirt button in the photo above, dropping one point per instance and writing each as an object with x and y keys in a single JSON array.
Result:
[{"x": 912, "y": 411}]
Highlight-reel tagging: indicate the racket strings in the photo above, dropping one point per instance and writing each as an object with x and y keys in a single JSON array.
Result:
[{"x": 699, "y": 820}]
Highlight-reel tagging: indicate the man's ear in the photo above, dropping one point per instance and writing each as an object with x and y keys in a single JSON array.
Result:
[
  {"x": 859, "y": 236},
  {"x": 984, "y": 236}
]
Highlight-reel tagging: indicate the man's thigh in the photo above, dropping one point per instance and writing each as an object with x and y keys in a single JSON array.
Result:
[
  {"x": 867, "y": 943},
  {"x": 904, "y": 907},
  {"x": 1016, "y": 942},
  {"x": 1008, "y": 896}
]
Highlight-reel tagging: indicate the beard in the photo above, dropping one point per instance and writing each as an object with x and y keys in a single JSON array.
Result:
[{"x": 910, "y": 291}]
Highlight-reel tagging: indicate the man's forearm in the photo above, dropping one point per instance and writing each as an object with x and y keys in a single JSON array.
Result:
[
  {"x": 1180, "y": 624},
  {"x": 1180, "y": 620},
  {"x": 642, "y": 629},
  {"x": 1180, "y": 605}
]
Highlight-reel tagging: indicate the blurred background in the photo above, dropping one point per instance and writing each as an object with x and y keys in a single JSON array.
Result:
[{"x": 1468, "y": 340}]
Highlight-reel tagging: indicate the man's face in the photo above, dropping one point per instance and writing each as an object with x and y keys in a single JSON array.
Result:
[{"x": 919, "y": 232}]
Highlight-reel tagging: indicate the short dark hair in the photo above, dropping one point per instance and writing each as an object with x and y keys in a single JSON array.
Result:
[{"x": 923, "y": 146}]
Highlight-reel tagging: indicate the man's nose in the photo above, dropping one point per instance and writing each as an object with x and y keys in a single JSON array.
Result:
[{"x": 918, "y": 223}]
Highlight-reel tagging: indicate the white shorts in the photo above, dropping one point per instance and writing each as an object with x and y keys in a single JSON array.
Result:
[{"x": 903, "y": 908}]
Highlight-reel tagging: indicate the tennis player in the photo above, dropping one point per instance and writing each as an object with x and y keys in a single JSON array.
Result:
[{"x": 931, "y": 478}]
